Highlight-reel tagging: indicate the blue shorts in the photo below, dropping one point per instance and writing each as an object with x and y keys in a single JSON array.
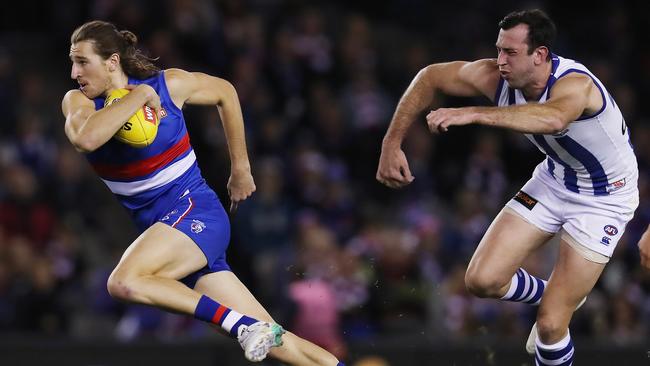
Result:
[{"x": 198, "y": 213}]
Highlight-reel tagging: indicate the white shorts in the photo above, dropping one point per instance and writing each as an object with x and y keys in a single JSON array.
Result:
[{"x": 596, "y": 222}]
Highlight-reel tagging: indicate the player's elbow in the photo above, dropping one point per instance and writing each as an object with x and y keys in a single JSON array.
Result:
[
  {"x": 228, "y": 93},
  {"x": 429, "y": 72},
  {"x": 84, "y": 143},
  {"x": 555, "y": 124}
]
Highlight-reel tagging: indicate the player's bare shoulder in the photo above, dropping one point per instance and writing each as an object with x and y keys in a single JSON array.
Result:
[
  {"x": 579, "y": 90},
  {"x": 74, "y": 100},
  {"x": 483, "y": 74},
  {"x": 180, "y": 84}
]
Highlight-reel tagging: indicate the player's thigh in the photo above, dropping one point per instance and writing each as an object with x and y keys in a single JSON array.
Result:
[
  {"x": 572, "y": 279},
  {"x": 225, "y": 288},
  {"x": 163, "y": 251},
  {"x": 527, "y": 221},
  {"x": 506, "y": 244}
]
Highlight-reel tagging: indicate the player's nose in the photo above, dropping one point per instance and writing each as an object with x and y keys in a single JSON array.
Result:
[
  {"x": 501, "y": 58},
  {"x": 74, "y": 72}
]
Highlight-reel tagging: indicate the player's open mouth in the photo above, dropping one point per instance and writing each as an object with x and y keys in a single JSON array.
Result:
[{"x": 82, "y": 84}]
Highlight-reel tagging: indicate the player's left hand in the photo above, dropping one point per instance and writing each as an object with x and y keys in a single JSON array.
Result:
[
  {"x": 440, "y": 119},
  {"x": 240, "y": 187},
  {"x": 644, "y": 249}
]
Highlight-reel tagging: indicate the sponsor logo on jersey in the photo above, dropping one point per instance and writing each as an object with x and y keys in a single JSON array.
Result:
[
  {"x": 610, "y": 230},
  {"x": 197, "y": 226},
  {"x": 163, "y": 112},
  {"x": 616, "y": 185},
  {"x": 605, "y": 240},
  {"x": 525, "y": 199},
  {"x": 149, "y": 114}
]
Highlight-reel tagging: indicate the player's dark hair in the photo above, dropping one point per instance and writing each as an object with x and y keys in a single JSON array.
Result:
[
  {"x": 107, "y": 40},
  {"x": 541, "y": 29}
]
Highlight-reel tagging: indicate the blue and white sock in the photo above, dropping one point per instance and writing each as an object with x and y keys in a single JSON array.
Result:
[
  {"x": 558, "y": 354},
  {"x": 211, "y": 311},
  {"x": 525, "y": 288}
]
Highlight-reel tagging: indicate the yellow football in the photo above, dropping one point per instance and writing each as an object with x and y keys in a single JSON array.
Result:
[{"x": 141, "y": 129}]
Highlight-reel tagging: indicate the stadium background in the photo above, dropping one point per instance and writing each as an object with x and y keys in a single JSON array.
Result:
[{"x": 335, "y": 256}]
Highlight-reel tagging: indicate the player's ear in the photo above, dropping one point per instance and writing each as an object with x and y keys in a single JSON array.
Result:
[
  {"x": 541, "y": 54},
  {"x": 113, "y": 62}
]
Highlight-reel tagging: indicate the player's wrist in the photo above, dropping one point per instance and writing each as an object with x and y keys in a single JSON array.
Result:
[
  {"x": 476, "y": 115},
  {"x": 391, "y": 143},
  {"x": 240, "y": 168},
  {"x": 145, "y": 91}
]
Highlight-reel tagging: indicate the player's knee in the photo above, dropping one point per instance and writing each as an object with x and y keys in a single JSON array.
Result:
[
  {"x": 120, "y": 286},
  {"x": 482, "y": 284},
  {"x": 550, "y": 327}
]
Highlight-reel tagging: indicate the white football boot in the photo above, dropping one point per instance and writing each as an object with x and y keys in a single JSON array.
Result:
[{"x": 258, "y": 338}]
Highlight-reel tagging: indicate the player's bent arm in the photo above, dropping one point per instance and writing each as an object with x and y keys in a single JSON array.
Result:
[
  {"x": 203, "y": 89},
  {"x": 572, "y": 96},
  {"x": 458, "y": 78},
  {"x": 88, "y": 129}
]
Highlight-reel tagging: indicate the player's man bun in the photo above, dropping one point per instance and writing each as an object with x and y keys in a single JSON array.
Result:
[{"x": 130, "y": 38}]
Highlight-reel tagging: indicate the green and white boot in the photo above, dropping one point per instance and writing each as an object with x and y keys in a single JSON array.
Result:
[{"x": 258, "y": 338}]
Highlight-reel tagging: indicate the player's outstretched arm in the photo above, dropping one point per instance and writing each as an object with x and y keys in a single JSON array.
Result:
[
  {"x": 202, "y": 89},
  {"x": 457, "y": 78},
  {"x": 88, "y": 129},
  {"x": 573, "y": 95}
]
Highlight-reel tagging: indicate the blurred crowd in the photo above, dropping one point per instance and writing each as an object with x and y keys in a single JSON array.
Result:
[{"x": 334, "y": 256}]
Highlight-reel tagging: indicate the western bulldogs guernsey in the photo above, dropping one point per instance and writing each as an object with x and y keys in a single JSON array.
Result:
[
  {"x": 148, "y": 180},
  {"x": 593, "y": 155},
  {"x": 162, "y": 183}
]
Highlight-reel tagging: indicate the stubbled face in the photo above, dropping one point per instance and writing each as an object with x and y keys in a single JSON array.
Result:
[
  {"x": 515, "y": 64},
  {"x": 89, "y": 69}
]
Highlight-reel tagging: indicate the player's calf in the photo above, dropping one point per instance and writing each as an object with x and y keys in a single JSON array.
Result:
[{"x": 525, "y": 288}]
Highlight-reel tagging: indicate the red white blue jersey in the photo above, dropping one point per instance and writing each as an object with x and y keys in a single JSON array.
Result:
[
  {"x": 593, "y": 155},
  {"x": 146, "y": 180}
]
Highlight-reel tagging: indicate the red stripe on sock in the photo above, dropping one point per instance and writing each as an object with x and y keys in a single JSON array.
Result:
[{"x": 216, "y": 319}]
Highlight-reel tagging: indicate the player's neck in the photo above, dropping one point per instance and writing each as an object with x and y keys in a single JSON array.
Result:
[
  {"x": 118, "y": 80},
  {"x": 538, "y": 84}
]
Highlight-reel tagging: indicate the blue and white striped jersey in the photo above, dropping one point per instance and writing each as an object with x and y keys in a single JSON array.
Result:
[{"x": 593, "y": 155}]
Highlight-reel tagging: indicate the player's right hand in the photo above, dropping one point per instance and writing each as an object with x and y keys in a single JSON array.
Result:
[
  {"x": 153, "y": 99},
  {"x": 644, "y": 249},
  {"x": 393, "y": 170}
]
